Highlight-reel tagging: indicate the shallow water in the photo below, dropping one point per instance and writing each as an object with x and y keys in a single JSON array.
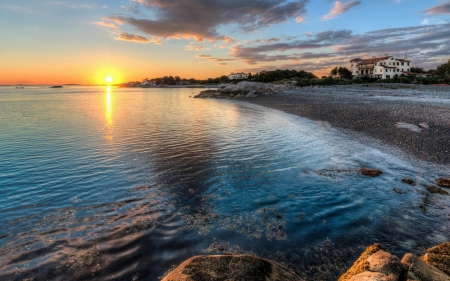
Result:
[{"x": 123, "y": 184}]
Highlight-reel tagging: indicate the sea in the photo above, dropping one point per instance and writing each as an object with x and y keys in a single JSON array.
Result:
[{"x": 106, "y": 183}]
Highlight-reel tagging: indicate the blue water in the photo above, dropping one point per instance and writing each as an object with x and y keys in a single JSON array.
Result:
[{"x": 122, "y": 184}]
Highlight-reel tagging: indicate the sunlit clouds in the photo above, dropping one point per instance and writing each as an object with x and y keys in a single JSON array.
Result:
[
  {"x": 340, "y": 7},
  {"x": 210, "y": 38}
]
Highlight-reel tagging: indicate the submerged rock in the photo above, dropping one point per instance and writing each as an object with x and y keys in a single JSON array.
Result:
[
  {"x": 434, "y": 189},
  {"x": 439, "y": 257},
  {"x": 230, "y": 267},
  {"x": 370, "y": 172},
  {"x": 443, "y": 182},
  {"x": 407, "y": 181}
]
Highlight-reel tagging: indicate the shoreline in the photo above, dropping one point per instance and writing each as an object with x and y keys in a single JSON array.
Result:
[{"x": 375, "y": 113}]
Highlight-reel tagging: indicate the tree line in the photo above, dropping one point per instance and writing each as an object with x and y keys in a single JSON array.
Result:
[{"x": 337, "y": 75}]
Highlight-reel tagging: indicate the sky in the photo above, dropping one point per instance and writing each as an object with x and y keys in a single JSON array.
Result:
[{"x": 84, "y": 41}]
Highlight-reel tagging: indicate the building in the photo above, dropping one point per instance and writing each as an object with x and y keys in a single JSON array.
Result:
[
  {"x": 234, "y": 76},
  {"x": 383, "y": 67},
  {"x": 147, "y": 82}
]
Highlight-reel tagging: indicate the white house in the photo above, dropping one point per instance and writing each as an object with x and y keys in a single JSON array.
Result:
[
  {"x": 383, "y": 67},
  {"x": 147, "y": 82},
  {"x": 234, "y": 76}
]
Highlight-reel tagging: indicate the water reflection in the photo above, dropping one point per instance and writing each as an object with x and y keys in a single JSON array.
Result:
[{"x": 108, "y": 115}]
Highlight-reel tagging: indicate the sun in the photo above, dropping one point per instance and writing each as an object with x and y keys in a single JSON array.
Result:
[{"x": 108, "y": 79}]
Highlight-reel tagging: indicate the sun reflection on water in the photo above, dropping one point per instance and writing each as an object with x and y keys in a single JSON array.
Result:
[{"x": 109, "y": 115}]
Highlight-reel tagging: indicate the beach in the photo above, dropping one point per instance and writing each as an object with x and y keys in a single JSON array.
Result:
[{"x": 374, "y": 111}]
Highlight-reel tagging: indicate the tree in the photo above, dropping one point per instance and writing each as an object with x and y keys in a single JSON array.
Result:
[
  {"x": 344, "y": 72},
  {"x": 417, "y": 70},
  {"x": 334, "y": 71},
  {"x": 443, "y": 70}
]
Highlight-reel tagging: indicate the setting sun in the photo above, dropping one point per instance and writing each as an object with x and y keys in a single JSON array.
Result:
[{"x": 109, "y": 79}]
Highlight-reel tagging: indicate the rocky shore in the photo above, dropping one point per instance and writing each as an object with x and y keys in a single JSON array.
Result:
[
  {"x": 374, "y": 264},
  {"x": 412, "y": 118},
  {"x": 244, "y": 90}
]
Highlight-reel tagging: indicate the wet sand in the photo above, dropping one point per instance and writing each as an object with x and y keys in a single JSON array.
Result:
[{"x": 374, "y": 112}]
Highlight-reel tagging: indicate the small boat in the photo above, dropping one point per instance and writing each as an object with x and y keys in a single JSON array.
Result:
[
  {"x": 441, "y": 85},
  {"x": 53, "y": 87}
]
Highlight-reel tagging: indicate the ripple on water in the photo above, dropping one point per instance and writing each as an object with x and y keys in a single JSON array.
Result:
[{"x": 125, "y": 183}]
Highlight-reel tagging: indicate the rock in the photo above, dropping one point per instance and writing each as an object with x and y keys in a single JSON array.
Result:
[
  {"x": 408, "y": 181},
  {"x": 418, "y": 270},
  {"x": 370, "y": 172},
  {"x": 230, "y": 267},
  {"x": 385, "y": 263},
  {"x": 398, "y": 190},
  {"x": 443, "y": 182},
  {"x": 373, "y": 276},
  {"x": 361, "y": 265},
  {"x": 243, "y": 89},
  {"x": 252, "y": 94},
  {"x": 439, "y": 257},
  {"x": 206, "y": 94},
  {"x": 434, "y": 189}
]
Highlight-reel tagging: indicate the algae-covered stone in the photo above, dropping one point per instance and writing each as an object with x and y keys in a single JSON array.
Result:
[
  {"x": 230, "y": 267},
  {"x": 407, "y": 181},
  {"x": 418, "y": 270},
  {"x": 385, "y": 263},
  {"x": 361, "y": 265},
  {"x": 443, "y": 182},
  {"x": 373, "y": 276},
  {"x": 439, "y": 257},
  {"x": 434, "y": 189},
  {"x": 370, "y": 172}
]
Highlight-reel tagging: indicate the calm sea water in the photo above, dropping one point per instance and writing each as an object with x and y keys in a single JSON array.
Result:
[{"x": 122, "y": 184}]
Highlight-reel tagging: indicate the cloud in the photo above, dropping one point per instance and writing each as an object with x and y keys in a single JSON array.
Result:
[
  {"x": 106, "y": 24},
  {"x": 340, "y": 8},
  {"x": 427, "y": 46},
  {"x": 200, "y": 19},
  {"x": 439, "y": 9},
  {"x": 264, "y": 52},
  {"x": 193, "y": 47},
  {"x": 220, "y": 61},
  {"x": 132, "y": 38}
]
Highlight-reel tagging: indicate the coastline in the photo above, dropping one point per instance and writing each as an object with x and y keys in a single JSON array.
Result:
[{"x": 375, "y": 113}]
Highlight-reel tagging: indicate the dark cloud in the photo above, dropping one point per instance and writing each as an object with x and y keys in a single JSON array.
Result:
[
  {"x": 262, "y": 53},
  {"x": 439, "y": 9},
  {"x": 200, "y": 19},
  {"x": 425, "y": 46}
]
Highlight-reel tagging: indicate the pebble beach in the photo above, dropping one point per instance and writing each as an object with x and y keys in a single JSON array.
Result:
[{"x": 415, "y": 119}]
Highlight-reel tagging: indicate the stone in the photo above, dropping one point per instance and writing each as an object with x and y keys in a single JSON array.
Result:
[
  {"x": 434, "y": 189},
  {"x": 373, "y": 276},
  {"x": 251, "y": 94},
  {"x": 407, "y": 181},
  {"x": 439, "y": 257},
  {"x": 360, "y": 265},
  {"x": 243, "y": 89},
  {"x": 385, "y": 263},
  {"x": 230, "y": 267},
  {"x": 443, "y": 182},
  {"x": 418, "y": 270},
  {"x": 370, "y": 172}
]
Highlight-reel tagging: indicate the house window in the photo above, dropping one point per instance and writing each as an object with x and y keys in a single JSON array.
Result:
[
  {"x": 402, "y": 63},
  {"x": 408, "y": 63},
  {"x": 398, "y": 63},
  {"x": 402, "y": 69}
]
